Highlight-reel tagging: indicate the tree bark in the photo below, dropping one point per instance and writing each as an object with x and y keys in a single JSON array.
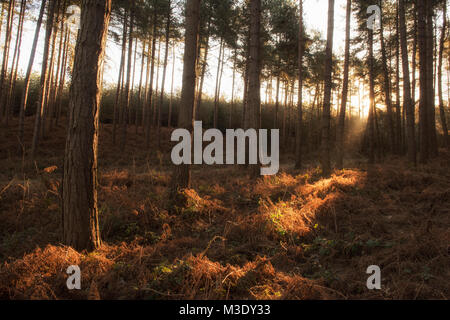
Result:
[
  {"x": 166, "y": 58},
  {"x": 408, "y": 103},
  {"x": 202, "y": 80},
  {"x": 117, "y": 107},
  {"x": 372, "y": 114},
  {"x": 181, "y": 176},
  {"x": 126, "y": 96},
  {"x": 169, "y": 121},
  {"x": 440, "y": 75},
  {"x": 299, "y": 127},
  {"x": 15, "y": 62},
  {"x": 62, "y": 80},
  {"x": 26, "y": 85},
  {"x": 44, "y": 80},
  {"x": 326, "y": 117},
  {"x": 387, "y": 88},
  {"x": 424, "y": 114},
  {"x": 5, "y": 61},
  {"x": 433, "y": 145},
  {"x": 217, "y": 91},
  {"x": 341, "y": 126},
  {"x": 254, "y": 95},
  {"x": 80, "y": 212},
  {"x": 150, "y": 90}
]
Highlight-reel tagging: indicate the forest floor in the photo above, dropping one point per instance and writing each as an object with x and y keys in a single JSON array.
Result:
[{"x": 290, "y": 236}]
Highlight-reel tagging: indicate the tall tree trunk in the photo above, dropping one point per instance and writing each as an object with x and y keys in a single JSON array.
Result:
[
  {"x": 246, "y": 80},
  {"x": 117, "y": 107},
  {"x": 166, "y": 58},
  {"x": 48, "y": 91},
  {"x": 150, "y": 90},
  {"x": 424, "y": 114},
  {"x": 440, "y": 75},
  {"x": 44, "y": 79},
  {"x": 80, "y": 212},
  {"x": 2, "y": 15},
  {"x": 133, "y": 76},
  {"x": 181, "y": 176},
  {"x": 62, "y": 80},
  {"x": 26, "y": 85},
  {"x": 431, "y": 76},
  {"x": 398, "y": 114},
  {"x": 414, "y": 61},
  {"x": 372, "y": 115},
  {"x": 277, "y": 103},
  {"x": 232, "y": 90},
  {"x": 408, "y": 103},
  {"x": 254, "y": 95},
  {"x": 169, "y": 121},
  {"x": 326, "y": 117},
  {"x": 217, "y": 91},
  {"x": 141, "y": 77},
  {"x": 341, "y": 126},
  {"x": 387, "y": 89},
  {"x": 202, "y": 79},
  {"x": 15, "y": 63},
  {"x": 127, "y": 95},
  {"x": 147, "y": 77},
  {"x": 5, "y": 61},
  {"x": 156, "y": 100},
  {"x": 58, "y": 70}
]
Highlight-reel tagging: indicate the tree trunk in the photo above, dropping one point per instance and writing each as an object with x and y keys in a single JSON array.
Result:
[
  {"x": 246, "y": 79},
  {"x": 26, "y": 85},
  {"x": 299, "y": 127},
  {"x": 44, "y": 79},
  {"x": 430, "y": 87},
  {"x": 169, "y": 121},
  {"x": 133, "y": 76},
  {"x": 326, "y": 117},
  {"x": 166, "y": 58},
  {"x": 147, "y": 77},
  {"x": 150, "y": 90},
  {"x": 371, "y": 119},
  {"x": 424, "y": 114},
  {"x": 277, "y": 103},
  {"x": 181, "y": 176},
  {"x": 387, "y": 88},
  {"x": 217, "y": 92},
  {"x": 414, "y": 62},
  {"x": 440, "y": 75},
  {"x": 341, "y": 126},
  {"x": 408, "y": 103},
  {"x": 117, "y": 107},
  {"x": 58, "y": 70},
  {"x": 5, "y": 61},
  {"x": 15, "y": 63},
  {"x": 232, "y": 90},
  {"x": 202, "y": 80},
  {"x": 156, "y": 102},
  {"x": 398, "y": 117},
  {"x": 126, "y": 96},
  {"x": 254, "y": 95},
  {"x": 62, "y": 80},
  {"x": 80, "y": 213},
  {"x": 141, "y": 77},
  {"x": 51, "y": 75}
]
